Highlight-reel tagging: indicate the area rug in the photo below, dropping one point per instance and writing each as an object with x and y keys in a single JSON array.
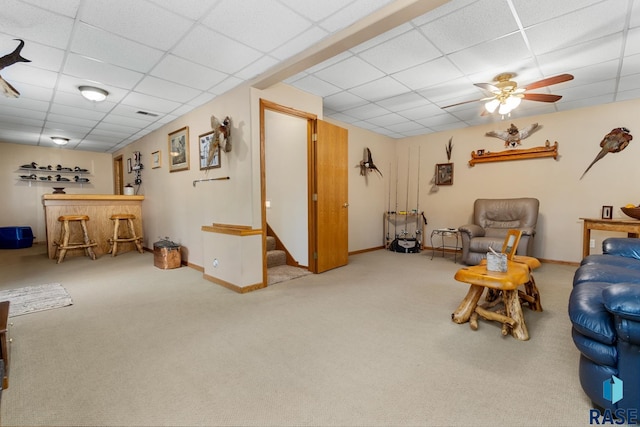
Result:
[
  {"x": 31, "y": 299},
  {"x": 282, "y": 273}
]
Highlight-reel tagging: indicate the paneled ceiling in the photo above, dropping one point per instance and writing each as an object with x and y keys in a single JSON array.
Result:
[{"x": 391, "y": 73}]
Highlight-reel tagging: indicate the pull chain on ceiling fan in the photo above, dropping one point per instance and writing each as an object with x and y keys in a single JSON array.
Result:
[{"x": 506, "y": 96}]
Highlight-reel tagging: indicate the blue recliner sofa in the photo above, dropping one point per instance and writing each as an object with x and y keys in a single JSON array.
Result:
[{"x": 604, "y": 308}]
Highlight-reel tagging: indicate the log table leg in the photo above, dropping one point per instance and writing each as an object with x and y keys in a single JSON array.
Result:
[
  {"x": 514, "y": 311},
  {"x": 468, "y": 304}
]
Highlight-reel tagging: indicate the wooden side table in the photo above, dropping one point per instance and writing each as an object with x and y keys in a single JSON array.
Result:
[{"x": 629, "y": 226}]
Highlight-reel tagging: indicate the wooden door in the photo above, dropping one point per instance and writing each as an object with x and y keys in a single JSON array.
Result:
[{"x": 330, "y": 201}]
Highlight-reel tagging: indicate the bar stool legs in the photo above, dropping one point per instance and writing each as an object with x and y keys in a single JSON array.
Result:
[
  {"x": 63, "y": 245},
  {"x": 132, "y": 237}
]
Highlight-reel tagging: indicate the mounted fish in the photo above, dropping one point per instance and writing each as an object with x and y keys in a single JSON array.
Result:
[
  {"x": 613, "y": 142},
  {"x": 7, "y": 60},
  {"x": 513, "y": 137},
  {"x": 366, "y": 164}
]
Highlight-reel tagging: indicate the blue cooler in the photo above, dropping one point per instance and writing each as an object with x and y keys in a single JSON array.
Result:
[{"x": 15, "y": 237}]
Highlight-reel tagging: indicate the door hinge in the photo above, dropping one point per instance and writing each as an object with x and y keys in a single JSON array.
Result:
[
  {"x": 315, "y": 255},
  {"x": 314, "y": 197},
  {"x": 314, "y": 137}
]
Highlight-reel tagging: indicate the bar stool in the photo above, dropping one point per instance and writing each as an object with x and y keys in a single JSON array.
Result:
[
  {"x": 116, "y": 218},
  {"x": 65, "y": 234}
]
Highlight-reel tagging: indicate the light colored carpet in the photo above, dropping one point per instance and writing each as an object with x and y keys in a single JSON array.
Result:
[
  {"x": 368, "y": 344},
  {"x": 30, "y": 299},
  {"x": 283, "y": 273}
]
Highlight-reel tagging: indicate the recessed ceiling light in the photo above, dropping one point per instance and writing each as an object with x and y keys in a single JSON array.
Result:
[
  {"x": 94, "y": 94},
  {"x": 60, "y": 140}
]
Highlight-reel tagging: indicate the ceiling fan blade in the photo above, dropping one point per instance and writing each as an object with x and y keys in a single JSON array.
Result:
[
  {"x": 464, "y": 102},
  {"x": 488, "y": 87},
  {"x": 549, "y": 81},
  {"x": 542, "y": 97}
]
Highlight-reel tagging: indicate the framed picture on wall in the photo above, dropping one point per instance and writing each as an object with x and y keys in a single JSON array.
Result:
[
  {"x": 209, "y": 151},
  {"x": 179, "y": 150},
  {"x": 444, "y": 174},
  {"x": 607, "y": 212},
  {"x": 129, "y": 167},
  {"x": 156, "y": 159}
]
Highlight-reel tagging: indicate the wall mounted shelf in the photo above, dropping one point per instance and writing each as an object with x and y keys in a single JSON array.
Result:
[{"x": 518, "y": 154}]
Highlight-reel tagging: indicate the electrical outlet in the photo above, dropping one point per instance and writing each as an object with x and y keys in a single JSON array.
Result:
[
  {"x": 592, "y": 243},
  {"x": 215, "y": 263}
]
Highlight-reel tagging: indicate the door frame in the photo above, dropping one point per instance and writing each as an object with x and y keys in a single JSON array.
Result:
[{"x": 311, "y": 128}]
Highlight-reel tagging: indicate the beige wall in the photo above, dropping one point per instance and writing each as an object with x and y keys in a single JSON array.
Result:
[
  {"x": 22, "y": 201},
  {"x": 564, "y": 198},
  {"x": 174, "y": 207}
]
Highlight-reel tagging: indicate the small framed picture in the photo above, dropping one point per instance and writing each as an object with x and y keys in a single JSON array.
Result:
[
  {"x": 444, "y": 174},
  {"x": 607, "y": 212},
  {"x": 480, "y": 152},
  {"x": 209, "y": 151},
  {"x": 156, "y": 159},
  {"x": 129, "y": 167},
  {"x": 179, "y": 150}
]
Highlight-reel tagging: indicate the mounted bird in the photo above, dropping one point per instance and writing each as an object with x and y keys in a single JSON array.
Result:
[
  {"x": 613, "y": 142},
  {"x": 513, "y": 137},
  {"x": 366, "y": 164},
  {"x": 7, "y": 60}
]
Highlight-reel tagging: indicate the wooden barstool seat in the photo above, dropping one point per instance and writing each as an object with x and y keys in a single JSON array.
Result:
[
  {"x": 63, "y": 245},
  {"x": 132, "y": 237}
]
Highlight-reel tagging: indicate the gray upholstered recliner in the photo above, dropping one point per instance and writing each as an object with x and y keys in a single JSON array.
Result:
[{"x": 492, "y": 218}]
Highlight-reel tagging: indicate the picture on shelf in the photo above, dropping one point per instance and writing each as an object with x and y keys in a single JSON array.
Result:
[{"x": 607, "y": 212}]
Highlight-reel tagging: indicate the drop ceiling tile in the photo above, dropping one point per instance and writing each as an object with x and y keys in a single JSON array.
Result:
[
  {"x": 263, "y": 25},
  {"x": 441, "y": 11},
  {"x": 314, "y": 10},
  {"x": 384, "y": 37},
  {"x": 429, "y": 74},
  {"x": 477, "y": 19},
  {"x": 30, "y": 75},
  {"x": 586, "y": 24},
  {"x": 604, "y": 49},
  {"x": 635, "y": 15},
  {"x": 402, "y": 52},
  {"x": 343, "y": 101},
  {"x": 159, "y": 28},
  {"x": 351, "y": 13},
  {"x": 298, "y": 44},
  {"x": 41, "y": 56},
  {"x": 257, "y": 67},
  {"x": 329, "y": 62},
  {"x": 591, "y": 74},
  {"x": 388, "y": 119},
  {"x": 81, "y": 113},
  {"x": 316, "y": 86},
  {"x": 402, "y": 102},
  {"x": 630, "y": 65},
  {"x": 366, "y": 111},
  {"x": 425, "y": 110},
  {"x": 30, "y": 92},
  {"x": 628, "y": 94},
  {"x": 215, "y": 50},
  {"x": 584, "y": 102},
  {"x": 531, "y": 13},
  {"x": 380, "y": 89},
  {"x": 149, "y": 103},
  {"x": 75, "y": 99},
  {"x": 169, "y": 90},
  {"x": 342, "y": 117},
  {"x": 192, "y": 9},
  {"x": 85, "y": 68},
  {"x": 493, "y": 55},
  {"x": 349, "y": 73},
  {"x": 10, "y": 111},
  {"x": 629, "y": 82},
  {"x": 33, "y": 24},
  {"x": 108, "y": 47},
  {"x": 66, "y": 119},
  {"x": 182, "y": 71},
  {"x": 406, "y": 126},
  {"x": 632, "y": 44},
  {"x": 64, "y": 7},
  {"x": 225, "y": 85}
]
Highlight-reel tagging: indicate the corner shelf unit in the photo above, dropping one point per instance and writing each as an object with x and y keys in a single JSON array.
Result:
[{"x": 36, "y": 175}]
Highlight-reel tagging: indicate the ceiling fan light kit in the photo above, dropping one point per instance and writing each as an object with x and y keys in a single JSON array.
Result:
[{"x": 94, "y": 94}]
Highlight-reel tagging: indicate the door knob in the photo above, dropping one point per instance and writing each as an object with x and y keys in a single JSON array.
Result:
[{"x": 346, "y": 205}]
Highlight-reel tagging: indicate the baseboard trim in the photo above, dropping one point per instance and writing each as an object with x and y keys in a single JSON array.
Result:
[
  {"x": 231, "y": 286},
  {"x": 362, "y": 251}
]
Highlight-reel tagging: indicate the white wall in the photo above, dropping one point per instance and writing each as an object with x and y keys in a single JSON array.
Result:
[{"x": 22, "y": 201}]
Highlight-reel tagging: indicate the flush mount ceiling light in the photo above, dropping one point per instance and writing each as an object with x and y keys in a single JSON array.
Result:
[
  {"x": 60, "y": 140},
  {"x": 94, "y": 94}
]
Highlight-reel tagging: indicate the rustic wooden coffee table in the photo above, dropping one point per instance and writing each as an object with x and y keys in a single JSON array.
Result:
[{"x": 517, "y": 274}]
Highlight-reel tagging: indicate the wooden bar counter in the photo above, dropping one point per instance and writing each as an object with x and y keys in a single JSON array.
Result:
[{"x": 99, "y": 208}]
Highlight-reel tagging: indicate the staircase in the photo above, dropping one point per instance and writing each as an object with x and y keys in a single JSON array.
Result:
[{"x": 275, "y": 256}]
